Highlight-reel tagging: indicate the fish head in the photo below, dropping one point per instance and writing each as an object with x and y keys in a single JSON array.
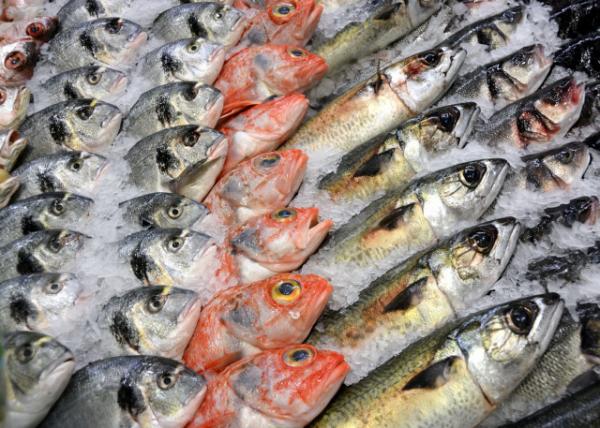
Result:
[
  {"x": 172, "y": 392},
  {"x": 525, "y": 71},
  {"x": 55, "y": 248},
  {"x": 506, "y": 23},
  {"x": 284, "y": 170},
  {"x": 589, "y": 316},
  {"x": 18, "y": 60},
  {"x": 96, "y": 123},
  {"x": 292, "y": 21},
  {"x": 195, "y": 57},
  {"x": 288, "y": 68},
  {"x": 503, "y": 344},
  {"x": 64, "y": 208},
  {"x": 293, "y": 383},
  {"x": 37, "y": 369},
  {"x": 11, "y": 146},
  {"x": 420, "y": 10},
  {"x": 282, "y": 240},
  {"x": 42, "y": 29},
  {"x": 420, "y": 79},
  {"x": 165, "y": 210},
  {"x": 585, "y": 209},
  {"x": 99, "y": 82},
  {"x": 224, "y": 23},
  {"x": 478, "y": 258},
  {"x": 8, "y": 186},
  {"x": 200, "y": 101},
  {"x": 79, "y": 170},
  {"x": 115, "y": 40},
  {"x": 14, "y": 102}
]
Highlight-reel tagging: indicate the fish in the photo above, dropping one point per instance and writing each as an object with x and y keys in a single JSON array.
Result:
[
  {"x": 554, "y": 169},
  {"x": 591, "y": 106},
  {"x": 389, "y": 22},
  {"x": 213, "y": 21},
  {"x": 11, "y": 147},
  {"x": 537, "y": 119},
  {"x": 40, "y": 29},
  {"x": 389, "y": 160},
  {"x": 506, "y": 80},
  {"x": 579, "y": 54},
  {"x": 74, "y": 172},
  {"x": 277, "y": 242},
  {"x": 37, "y": 369},
  {"x": 14, "y": 102},
  {"x": 76, "y": 12},
  {"x": 179, "y": 257},
  {"x": 54, "y": 210},
  {"x": 250, "y": 392},
  {"x": 263, "y": 128},
  {"x": 243, "y": 321},
  {"x": 194, "y": 60},
  {"x": 48, "y": 303},
  {"x": 572, "y": 354},
  {"x": 565, "y": 267},
  {"x": 150, "y": 321},
  {"x": 174, "y": 104},
  {"x": 576, "y": 18},
  {"x": 17, "y": 60},
  {"x": 410, "y": 219},
  {"x": 9, "y": 185},
  {"x": 257, "y": 186},
  {"x": 50, "y": 250},
  {"x": 95, "y": 82},
  {"x": 257, "y": 73},
  {"x": 124, "y": 391},
  {"x": 82, "y": 125},
  {"x": 105, "y": 42},
  {"x": 462, "y": 371},
  {"x": 163, "y": 210},
  {"x": 585, "y": 210},
  {"x": 419, "y": 295},
  {"x": 378, "y": 105},
  {"x": 185, "y": 159}
]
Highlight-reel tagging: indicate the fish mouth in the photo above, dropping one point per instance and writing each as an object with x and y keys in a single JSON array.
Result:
[
  {"x": 315, "y": 231},
  {"x": 509, "y": 244},
  {"x": 457, "y": 58},
  {"x": 15, "y": 140},
  {"x": 192, "y": 308},
  {"x": 591, "y": 211},
  {"x": 469, "y": 113},
  {"x": 554, "y": 305},
  {"x": 120, "y": 85},
  {"x": 137, "y": 39},
  {"x": 62, "y": 365},
  {"x": 219, "y": 149},
  {"x": 112, "y": 123},
  {"x": 333, "y": 379}
]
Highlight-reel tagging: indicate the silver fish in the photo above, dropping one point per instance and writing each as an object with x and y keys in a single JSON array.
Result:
[
  {"x": 12, "y": 144},
  {"x": 76, "y": 12},
  {"x": 94, "y": 81},
  {"x": 14, "y": 102}
]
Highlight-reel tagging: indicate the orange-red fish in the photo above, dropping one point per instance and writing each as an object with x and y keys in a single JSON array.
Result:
[
  {"x": 257, "y": 186},
  {"x": 263, "y": 128},
  {"x": 246, "y": 320},
  {"x": 17, "y": 60},
  {"x": 277, "y": 242},
  {"x": 40, "y": 29},
  {"x": 259, "y": 72},
  {"x": 287, "y": 387}
]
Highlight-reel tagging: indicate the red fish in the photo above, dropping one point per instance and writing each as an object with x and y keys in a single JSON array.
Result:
[
  {"x": 17, "y": 60},
  {"x": 277, "y": 312},
  {"x": 257, "y": 186},
  {"x": 40, "y": 29},
  {"x": 285, "y": 387},
  {"x": 257, "y": 73},
  {"x": 277, "y": 242},
  {"x": 263, "y": 128}
]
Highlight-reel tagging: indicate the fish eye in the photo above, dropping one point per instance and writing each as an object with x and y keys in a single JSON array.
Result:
[
  {"x": 431, "y": 58},
  {"x": 284, "y": 214},
  {"x": 93, "y": 78},
  {"x": 565, "y": 156},
  {"x": 174, "y": 211},
  {"x": 55, "y": 245},
  {"x": 34, "y": 30},
  {"x": 76, "y": 165},
  {"x": 286, "y": 291},
  {"x": 297, "y": 53},
  {"x": 175, "y": 244},
  {"x": 483, "y": 240},
  {"x": 267, "y": 161},
  {"x": 191, "y": 138},
  {"x": 114, "y": 26},
  {"x": 283, "y": 9},
  {"x": 193, "y": 47},
  {"x": 2, "y": 96},
  {"x": 85, "y": 113},
  {"x": 471, "y": 175},
  {"x": 58, "y": 207},
  {"x": 53, "y": 288},
  {"x": 15, "y": 60},
  {"x": 218, "y": 15},
  {"x": 25, "y": 353},
  {"x": 166, "y": 381},
  {"x": 520, "y": 319},
  {"x": 156, "y": 303},
  {"x": 298, "y": 357},
  {"x": 447, "y": 121}
]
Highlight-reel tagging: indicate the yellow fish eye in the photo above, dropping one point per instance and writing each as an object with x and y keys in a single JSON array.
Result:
[
  {"x": 193, "y": 47},
  {"x": 282, "y": 10},
  {"x": 286, "y": 291},
  {"x": 298, "y": 357},
  {"x": 284, "y": 215}
]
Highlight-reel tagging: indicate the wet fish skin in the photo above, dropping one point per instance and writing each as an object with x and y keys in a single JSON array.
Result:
[
  {"x": 97, "y": 82},
  {"x": 380, "y": 104},
  {"x": 81, "y": 125},
  {"x": 576, "y": 18},
  {"x": 104, "y": 41},
  {"x": 566, "y": 266},
  {"x": 17, "y": 60},
  {"x": 74, "y": 172},
  {"x": 174, "y": 104},
  {"x": 52, "y": 250},
  {"x": 14, "y": 102},
  {"x": 578, "y": 54},
  {"x": 163, "y": 210},
  {"x": 462, "y": 371},
  {"x": 153, "y": 320},
  {"x": 213, "y": 21},
  {"x": 11, "y": 147},
  {"x": 76, "y": 12},
  {"x": 184, "y": 159},
  {"x": 37, "y": 370},
  {"x": 388, "y": 161},
  {"x": 43, "y": 302},
  {"x": 121, "y": 391},
  {"x": 273, "y": 317},
  {"x": 55, "y": 210},
  {"x": 192, "y": 60}
]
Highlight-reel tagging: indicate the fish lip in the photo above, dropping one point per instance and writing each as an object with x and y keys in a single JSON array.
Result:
[
  {"x": 470, "y": 113},
  {"x": 137, "y": 39},
  {"x": 62, "y": 363},
  {"x": 120, "y": 85},
  {"x": 509, "y": 245},
  {"x": 457, "y": 59},
  {"x": 108, "y": 123},
  {"x": 219, "y": 149}
]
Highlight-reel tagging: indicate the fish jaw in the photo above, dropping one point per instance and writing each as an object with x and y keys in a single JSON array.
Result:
[{"x": 186, "y": 324}]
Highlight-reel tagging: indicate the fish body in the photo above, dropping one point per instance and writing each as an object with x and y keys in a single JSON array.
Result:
[
  {"x": 184, "y": 159},
  {"x": 257, "y": 186},
  {"x": 14, "y": 102},
  {"x": 388, "y": 161},
  {"x": 263, "y": 128},
  {"x": 127, "y": 391},
  {"x": 380, "y": 104},
  {"x": 81, "y": 125},
  {"x": 461, "y": 372},
  {"x": 579, "y": 54},
  {"x": 163, "y": 210},
  {"x": 37, "y": 369},
  {"x": 96, "y": 82},
  {"x": 250, "y": 393},
  {"x": 105, "y": 41},
  {"x": 74, "y": 172},
  {"x": 576, "y": 18},
  {"x": 17, "y": 60},
  {"x": 46, "y": 211},
  {"x": 77, "y": 12},
  {"x": 11, "y": 147},
  {"x": 243, "y": 321},
  {"x": 174, "y": 104}
]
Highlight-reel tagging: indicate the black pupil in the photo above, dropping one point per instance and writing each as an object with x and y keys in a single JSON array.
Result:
[
  {"x": 521, "y": 318},
  {"x": 85, "y": 113},
  {"x": 194, "y": 48},
  {"x": 176, "y": 243},
  {"x": 34, "y": 29},
  {"x": 77, "y": 166},
  {"x": 284, "y": 10},
  {"x": 94, "y": 78},
  {"x": 167, "y": 380},
  {"x": 155, "y": 302},
  {"x": 114, "y": 27},
  {"x": 175, "y": 211},
  {"x": 27, "y": 351},
  {"x": 297, "y": 52},
  {"x": 471, "y": 174},
  {"x": 300, "y": 355},
  {"x": 191, "y": 139},
  {"x": 565, "y": 156},
  {"x": 59, "y": 207},
  {"x": 447, "y": 121},
  {"x": 268, "y": 162},
  {"x": 285, "y": 213},
  {"x": 431, "y": 58},
  {"x": 286, "y": 288},
  {"x": 55, "y": 245},
  {"x": 54, "y": 287},
  {"x": 483, "y": 239}
]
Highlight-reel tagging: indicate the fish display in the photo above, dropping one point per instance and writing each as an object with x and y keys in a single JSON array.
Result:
[{"x": 92, "y": 82}]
